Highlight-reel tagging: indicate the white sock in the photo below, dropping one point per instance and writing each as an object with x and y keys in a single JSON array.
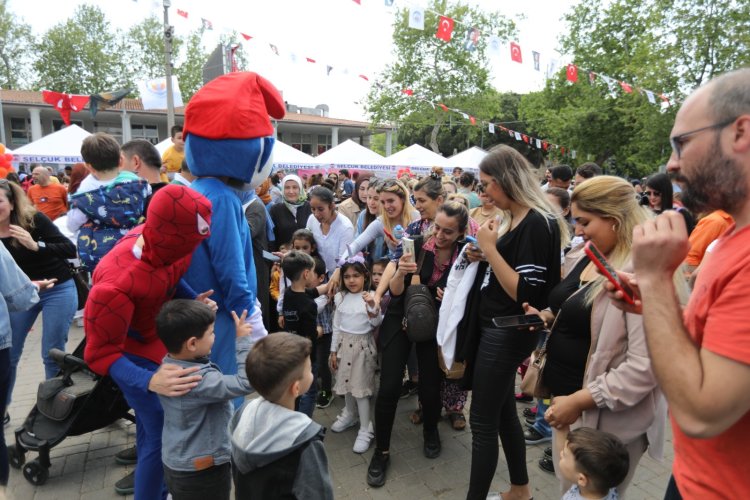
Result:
[
  {"x": 350, "y": 405},
  {"x": 363, "y": 405}
]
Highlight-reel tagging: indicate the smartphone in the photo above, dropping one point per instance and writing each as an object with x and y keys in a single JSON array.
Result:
[
  {"x": 270, "y": 257},
  {"x": 471, "y": 239},
  {"x": 408, "y": 246},
  {"x": 524, "y": 320},
  {"x": 606, "y": 269}
]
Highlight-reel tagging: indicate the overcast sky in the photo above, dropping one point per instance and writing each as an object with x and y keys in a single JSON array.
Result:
[{"x": 339, "y": 33}]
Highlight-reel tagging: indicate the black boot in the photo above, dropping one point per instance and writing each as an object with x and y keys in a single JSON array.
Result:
[
  {"x": 432, "y": 445},
  {"x": 376, "y": 470}
]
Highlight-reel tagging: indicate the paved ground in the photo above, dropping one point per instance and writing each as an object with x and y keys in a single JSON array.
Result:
[{"x": 83, "y": 467}]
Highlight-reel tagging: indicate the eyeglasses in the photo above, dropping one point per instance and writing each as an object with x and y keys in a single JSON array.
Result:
[
  {"x": 678, "y": 141},
  {"x": 652, "y": 193}
]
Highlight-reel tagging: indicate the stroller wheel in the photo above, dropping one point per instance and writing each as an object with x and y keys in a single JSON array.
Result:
[
  {"x": 35, "y": 473},
  {"x": 16, "y": 457}
]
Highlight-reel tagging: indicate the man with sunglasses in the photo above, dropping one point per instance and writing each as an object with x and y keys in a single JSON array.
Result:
[{"x": 701, "y": 356}]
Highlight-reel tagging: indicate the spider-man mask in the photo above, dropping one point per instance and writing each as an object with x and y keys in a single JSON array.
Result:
[{"x": 178, "y": 219}]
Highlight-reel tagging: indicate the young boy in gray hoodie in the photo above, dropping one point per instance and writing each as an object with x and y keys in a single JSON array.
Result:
[
  {"x": 278, "y": 452},
  {"x": 195, "y": 441}
]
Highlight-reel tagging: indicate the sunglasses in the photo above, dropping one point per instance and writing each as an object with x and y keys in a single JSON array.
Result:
[
  {"x": 678, "y": 141},
  {"x": 652, "y": 193}
]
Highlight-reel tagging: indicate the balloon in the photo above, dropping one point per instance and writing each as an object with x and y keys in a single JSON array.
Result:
[
  {"x": 8, "y": 156},
  {"x": 2, "y": 148},
  {"x": 4, "y": 173}
]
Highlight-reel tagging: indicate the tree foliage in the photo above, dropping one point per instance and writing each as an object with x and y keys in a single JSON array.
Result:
[
  {"x": 145, "y": 48},
  {"x": 670, "y": 46},
  {"x": 435, "y": 70},
  {"x": 190, "y": 71},
  {"x": 82, "y": 55},
  {"x": 15, "y": 41}
]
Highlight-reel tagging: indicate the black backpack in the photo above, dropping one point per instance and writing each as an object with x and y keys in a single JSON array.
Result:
[{"x": 420, "y": 316}]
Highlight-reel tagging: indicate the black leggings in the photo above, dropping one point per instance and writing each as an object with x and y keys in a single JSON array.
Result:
[
  {"x": 493, "y": 408},
  {"x": 394, "y": 355},
  {"x": 324, "y": 352}
]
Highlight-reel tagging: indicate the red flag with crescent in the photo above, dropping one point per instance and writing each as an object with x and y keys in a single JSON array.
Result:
[
  {"x": 445, "y": 28},
  {"x": 572, "y": 73},
  {"x": 515, "y": 52},
  {"x": 65, "y": 103}
]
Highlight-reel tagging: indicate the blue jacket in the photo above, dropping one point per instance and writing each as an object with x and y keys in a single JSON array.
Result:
[
  {"x": 112, "y": 211},
  {"x": 17, "y": 293}
]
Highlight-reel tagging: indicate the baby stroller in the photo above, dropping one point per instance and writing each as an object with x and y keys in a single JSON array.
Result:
[{"x": 75, "y": 402}]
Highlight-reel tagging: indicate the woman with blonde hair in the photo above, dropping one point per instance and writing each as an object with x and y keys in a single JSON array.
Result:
[
  {"x": 521, "y": 265},
  {"x": 598, "y": 368}
]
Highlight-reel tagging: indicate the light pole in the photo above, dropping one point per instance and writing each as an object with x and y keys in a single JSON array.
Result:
[{"x": 168, "y": 32}]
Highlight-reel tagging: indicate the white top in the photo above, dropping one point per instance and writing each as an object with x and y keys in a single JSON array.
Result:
[
  {"x": 373, "y": 231},
  {"x": 332, "y": 245},
  {"x": 351, "y": 317}
]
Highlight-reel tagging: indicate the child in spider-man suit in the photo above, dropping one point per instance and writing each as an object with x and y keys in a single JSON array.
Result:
[{"x": 131, "y": 283}]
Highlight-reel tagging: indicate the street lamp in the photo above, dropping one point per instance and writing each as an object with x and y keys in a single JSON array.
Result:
[{"x": 168, "y": 33}]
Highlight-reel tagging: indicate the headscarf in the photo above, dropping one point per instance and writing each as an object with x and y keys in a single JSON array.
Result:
[
  {"x": 262, "y": 191},
  {"x": 292, "y": 206}
]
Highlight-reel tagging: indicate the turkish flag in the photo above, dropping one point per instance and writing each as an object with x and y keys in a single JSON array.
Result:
[
  {"x": 182, "y": 13},
  {"x": 443, "y": 106},
  {"x": 473, "y": 120},
  {"x": 515, "y": 52},
  {"x": 65, "y": 103},
  {"x": 572, "y": 73},
  {"x": 310, "y": 60},
  {"x": 445, "y": 28},
  {"x": 626, "y": 87},
  {"x": 407, "y": 92},
  {"x": 246, "y": 37}
]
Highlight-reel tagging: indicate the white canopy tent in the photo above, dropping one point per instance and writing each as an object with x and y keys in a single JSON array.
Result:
[
  {"x": 418, "y": 159},
  {"x": 469, "y": 159},
  {"x": 61, "y": 147},
  {"x": 353, "y": 156},
  {"x": 285, "y": 157},
  {"x": 163, "y": 145}
]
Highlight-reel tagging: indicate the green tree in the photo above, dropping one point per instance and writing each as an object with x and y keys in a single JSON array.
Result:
[
  {"x": 15, "y": 56},
  {"x": 435, "y": 70},
  {"x": 82, "y": 55},
  {"x": 145, "y": 44},
  {"x": 190, "y": 71}
]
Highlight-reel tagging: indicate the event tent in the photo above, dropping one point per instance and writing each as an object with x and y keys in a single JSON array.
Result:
[
  {"x": 61, "y": 147},
  {"x": 468, "y": 159},
  {"x": 351, "y": 155},
  {"x": 286, "y": 157},
  {"x": 417, "y": 158},
  {"x": 163, "y": 145}
]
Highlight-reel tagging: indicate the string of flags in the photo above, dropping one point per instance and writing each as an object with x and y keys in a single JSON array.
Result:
[
  {"x": 493, "y": 128},
  {"x": 67, "y": 103},
  {"x": 445, "y": 30}
]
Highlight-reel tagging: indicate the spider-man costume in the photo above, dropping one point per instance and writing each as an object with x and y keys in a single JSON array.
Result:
[
  {"x": 228, "y": 144},
  {"x": 130, "y": 286}
]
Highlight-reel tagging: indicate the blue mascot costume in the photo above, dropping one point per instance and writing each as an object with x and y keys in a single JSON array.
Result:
[{"x": 229, "y": 139}]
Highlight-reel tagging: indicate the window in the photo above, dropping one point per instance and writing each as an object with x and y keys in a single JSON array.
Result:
[
  {"x": 108, "y": 128},
  {"x": 148, "y": 132},
  {"x": 324, "y": 143},
  {"x": 303, "y": 142},
  {"x": 20, "y": 131},
  {"x": 59, "y": 124}
]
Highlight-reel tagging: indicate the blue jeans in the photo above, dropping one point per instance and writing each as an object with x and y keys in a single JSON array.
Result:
[
  {"x": 149, "y": 422},
  {"x": 58, "y": 306},
  {"x": 306, "y": 402},
  {"x": 4, "y": 378},
  {"x": 541, "y": 425}
]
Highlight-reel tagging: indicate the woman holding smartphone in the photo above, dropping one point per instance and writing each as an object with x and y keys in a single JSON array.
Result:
[
  {"x": 598, "y": 368},
  {"x": 521, "y": 265}
]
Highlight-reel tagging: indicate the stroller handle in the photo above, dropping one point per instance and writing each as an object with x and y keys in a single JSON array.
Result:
[{"x": 64, "y": 360}]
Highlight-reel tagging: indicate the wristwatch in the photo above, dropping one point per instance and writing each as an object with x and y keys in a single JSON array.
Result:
[{"x": 41, "y": 244}]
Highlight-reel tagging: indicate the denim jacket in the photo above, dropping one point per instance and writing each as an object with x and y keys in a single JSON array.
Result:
[
  {"x": 17, "y": 293},
  {"x": 195, "y": 435}
]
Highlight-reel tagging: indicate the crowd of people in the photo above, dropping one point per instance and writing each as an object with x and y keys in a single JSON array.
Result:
[{"x": 379, "y": 288}]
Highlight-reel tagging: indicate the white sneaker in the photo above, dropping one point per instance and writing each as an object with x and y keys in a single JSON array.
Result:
[
  {"x": 344, "y": 421},
  {"x": 362, "y": 443}
]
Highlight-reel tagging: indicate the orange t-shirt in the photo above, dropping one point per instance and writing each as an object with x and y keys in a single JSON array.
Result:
[
  {"x": 51, "y": 200},
  {"x": 717, "y": 318},
  {"x": 707, "y": 230}
]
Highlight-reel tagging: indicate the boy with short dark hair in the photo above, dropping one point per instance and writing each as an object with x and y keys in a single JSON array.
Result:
[
  {"x": 195, "y": 445},
  {"x": 108, "y": 203},
  {"x": 595, "y": 462},
  {"x": 278, "y": 452},
  {"x": 301, "y": 312},
  {"x": 174, "y": 154}
]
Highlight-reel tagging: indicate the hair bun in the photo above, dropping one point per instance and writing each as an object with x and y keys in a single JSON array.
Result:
[{"x": 436, "y": 176}]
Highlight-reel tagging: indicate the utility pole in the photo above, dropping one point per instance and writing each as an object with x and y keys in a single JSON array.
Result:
[{"x": 168, "y": 33}]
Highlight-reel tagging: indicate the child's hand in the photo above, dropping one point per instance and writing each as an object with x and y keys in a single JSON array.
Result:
[
  {"x": 242, "y": 328},
  {"x": 333, "y": 363},
  {"x": 281, "y": 321},
  {"x": 369, "y": 299},
  {"x": 320, "y": 331}
]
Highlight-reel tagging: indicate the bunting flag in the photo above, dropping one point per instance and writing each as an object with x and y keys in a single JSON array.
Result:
[
  {"x": 104, "y": 100},
  {"x": 416, "y": 18},
  {"x": 492, "y": 128},
  {"x": 536, "y": 55},
  {"x": 445, "y": 29},
  {"x": 471, "y": 41},
  {"x": 472, "y": 120},
  {"x": 572, "y": 73},
  {"x": 626, "y": 88},
  {"x": 310, "y": 60},
  {"x": 493, "y": 46},
  {"x": 246, "y": 37},
  {"x": 651, "y": 97},
  {"x": 274, "y": 48},
  {"x": 443, "y": 106},
  {"x": 515, "y": 52},
  {"x": 592, "y": 77},
  {"x": 182, "y": 13},
  {"x": 389, "y": 3},
  {"x": 154, "y": 93},
  {"x": 65, "y": 103},
  {"x": 364, "y": 77},
  {"x": 409, "y": 92},
  {"x": 358, "y": 2},
  {"x": 552, "y": 66},
  {"x": 206, "y": 24}
]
